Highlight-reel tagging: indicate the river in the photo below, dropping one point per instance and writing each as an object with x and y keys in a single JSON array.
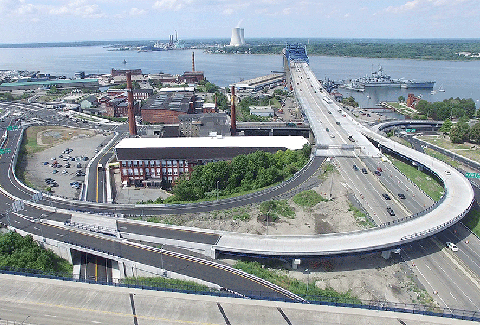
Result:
[{"x": 457, "y": 78}]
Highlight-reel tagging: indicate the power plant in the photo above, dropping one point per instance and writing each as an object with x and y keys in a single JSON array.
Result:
[{"x": 238, "y": 37}]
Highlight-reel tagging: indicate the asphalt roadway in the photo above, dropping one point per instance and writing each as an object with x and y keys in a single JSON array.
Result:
[{"x": 35, "y": 301}]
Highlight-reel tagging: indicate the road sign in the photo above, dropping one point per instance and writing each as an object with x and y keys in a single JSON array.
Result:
[
  {"x": 12, "y": 127},
  {"x": 410, "y": 130},
  {"x": 472, "y": 175},
  {"x": 6, "y": 150}
]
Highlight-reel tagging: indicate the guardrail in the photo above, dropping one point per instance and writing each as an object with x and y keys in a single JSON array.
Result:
[{"x": 308, "y": 299}]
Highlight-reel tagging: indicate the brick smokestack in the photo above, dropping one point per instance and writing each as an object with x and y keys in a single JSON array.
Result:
[
  {"x": 233, "y": 113},
  {"x": 132, "y": 125},
  {"x": 193, "y": 61}
]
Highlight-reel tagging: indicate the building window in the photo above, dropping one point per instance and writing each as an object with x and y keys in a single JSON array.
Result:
[
  {"x": 169, "y": 163},
  {"x": 169, "y": 171},
  {"x": 130, "y": 172},
  {"x": 124, "y": 164},
  {"x": 181, "y": 170},
  {"x": 175, "y": 171},
  {"x": 164, "y": 170},
  {"x": 124, "y": 172},
  {"x": 135, "y": 171},
  {"x": 152, "y": 162},
  {"x": 164, "y": 162},
  {"x": 174, "y": 163},
  {"x": 181, "y": 163}
]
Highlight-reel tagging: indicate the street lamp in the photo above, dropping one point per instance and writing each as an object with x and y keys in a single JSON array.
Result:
[
  {"x": 25, "y": 320},
  {"x": 307, "y": 272}
]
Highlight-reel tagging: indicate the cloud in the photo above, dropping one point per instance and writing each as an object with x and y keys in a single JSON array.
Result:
[
  {"x": 167, "y": 5},
  {"x": 137, "y": 12}
]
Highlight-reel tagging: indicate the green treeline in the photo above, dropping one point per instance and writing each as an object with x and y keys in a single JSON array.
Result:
[
  {"x": 242, "y": 173},
  {"x": 448, "y": 108},
  {"x": 403, "y": 49},
  {"x": 24, "y": 253}
]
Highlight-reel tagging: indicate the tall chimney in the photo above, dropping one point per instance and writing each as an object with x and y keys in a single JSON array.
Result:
[
  {"x": 193, "y": 61},
  {"x": 132, "y": 126},
  {"x": 233, "y": 128}
]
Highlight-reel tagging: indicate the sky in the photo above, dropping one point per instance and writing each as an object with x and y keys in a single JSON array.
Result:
[{"x": 26, "y": 21}]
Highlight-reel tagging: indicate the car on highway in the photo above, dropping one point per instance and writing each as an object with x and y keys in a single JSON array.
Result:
[
  {"x": 355, "y": 167},
  {"x": 390, "y": 211},
  {"x": 364, "y": 170},
  {"x": 386, "y": 196},
  {"x": 401, "y": 195},
  {"x": 452, "y": 246},
  {"x": 377, "y": 173}
]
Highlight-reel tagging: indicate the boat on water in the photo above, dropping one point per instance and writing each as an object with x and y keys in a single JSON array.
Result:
[
  {"x": 418, "y": 84},
  {"x": 380, "y": 79}
]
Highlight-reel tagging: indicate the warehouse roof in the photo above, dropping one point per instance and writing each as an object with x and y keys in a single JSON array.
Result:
[{"x": 287, "y": 142}]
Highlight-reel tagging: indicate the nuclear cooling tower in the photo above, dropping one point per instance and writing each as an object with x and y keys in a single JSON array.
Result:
[{"x": 238, "y": 37}]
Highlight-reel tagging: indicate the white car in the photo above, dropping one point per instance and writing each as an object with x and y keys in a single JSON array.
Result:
[{"x": 452, "y": 246}]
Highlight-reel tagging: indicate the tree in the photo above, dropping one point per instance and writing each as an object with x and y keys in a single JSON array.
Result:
[
  {"x": 401, "y": 99},
  {"x": 459, "y": 132},
  {"x": 475, "y": 133},
  {"x": 446, "y": 126}
]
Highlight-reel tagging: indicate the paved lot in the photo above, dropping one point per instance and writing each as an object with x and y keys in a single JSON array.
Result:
[
  {"x": 86, "y": 145},
  {"x": 55, "y": 302}
]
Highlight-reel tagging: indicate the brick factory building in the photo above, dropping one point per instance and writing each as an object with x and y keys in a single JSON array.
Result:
[
  {"x": 161, "y": 161},
  {"x": 168, "y": 104}
]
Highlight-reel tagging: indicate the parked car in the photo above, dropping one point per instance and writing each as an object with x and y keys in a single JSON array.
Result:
[
  {"x": 364, "y": 170},
  {"x": 386, "y": 196},
  {"x": 401, "y": 195},
  {"x": 452, "y": 246},
  {"x": 390, "y": 211},
  {"x": 355, "y": 167}
]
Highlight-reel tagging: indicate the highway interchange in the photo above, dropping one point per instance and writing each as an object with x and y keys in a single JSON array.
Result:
[{"x": 367, "y": 187}]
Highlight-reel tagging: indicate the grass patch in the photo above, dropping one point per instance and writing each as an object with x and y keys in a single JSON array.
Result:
[
  {"x": 161, "y": 282},
  {"x": 442, "y": 157},
  {"x": 308, "y": 198},
  {"x": 472, "y": 220},
  {"x": 467, "y": 150},
  {"x": 294, "y": 285},
  {"x": 425, "y": 182},
  {"x": 360, "y": 217},
  {"x": 276, "y": 208}
]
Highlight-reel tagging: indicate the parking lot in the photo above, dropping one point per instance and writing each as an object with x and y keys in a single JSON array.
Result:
[{"x": 62, "y": 167}]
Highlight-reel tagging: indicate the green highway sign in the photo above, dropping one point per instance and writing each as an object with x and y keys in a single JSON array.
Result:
[
  {"x": 6, "y": 150},
  {"x": 410, "y": 130},
  {"x": 472, "y": 175},
  {"x": 12, "y": 127}
]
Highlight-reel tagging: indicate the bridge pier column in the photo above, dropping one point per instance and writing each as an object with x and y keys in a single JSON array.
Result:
[{"x": 311, "y": 137}]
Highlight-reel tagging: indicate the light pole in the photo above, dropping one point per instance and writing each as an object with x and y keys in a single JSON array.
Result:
[
  {"x": 307, "y": 272},
  {"x": 25, "y": 320}
]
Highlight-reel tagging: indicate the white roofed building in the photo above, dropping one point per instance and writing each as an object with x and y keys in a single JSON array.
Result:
[{"x": 153, "y": 161}]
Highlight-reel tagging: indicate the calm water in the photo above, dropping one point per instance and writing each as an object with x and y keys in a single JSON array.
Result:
[{"x": 459, "y": 79}]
